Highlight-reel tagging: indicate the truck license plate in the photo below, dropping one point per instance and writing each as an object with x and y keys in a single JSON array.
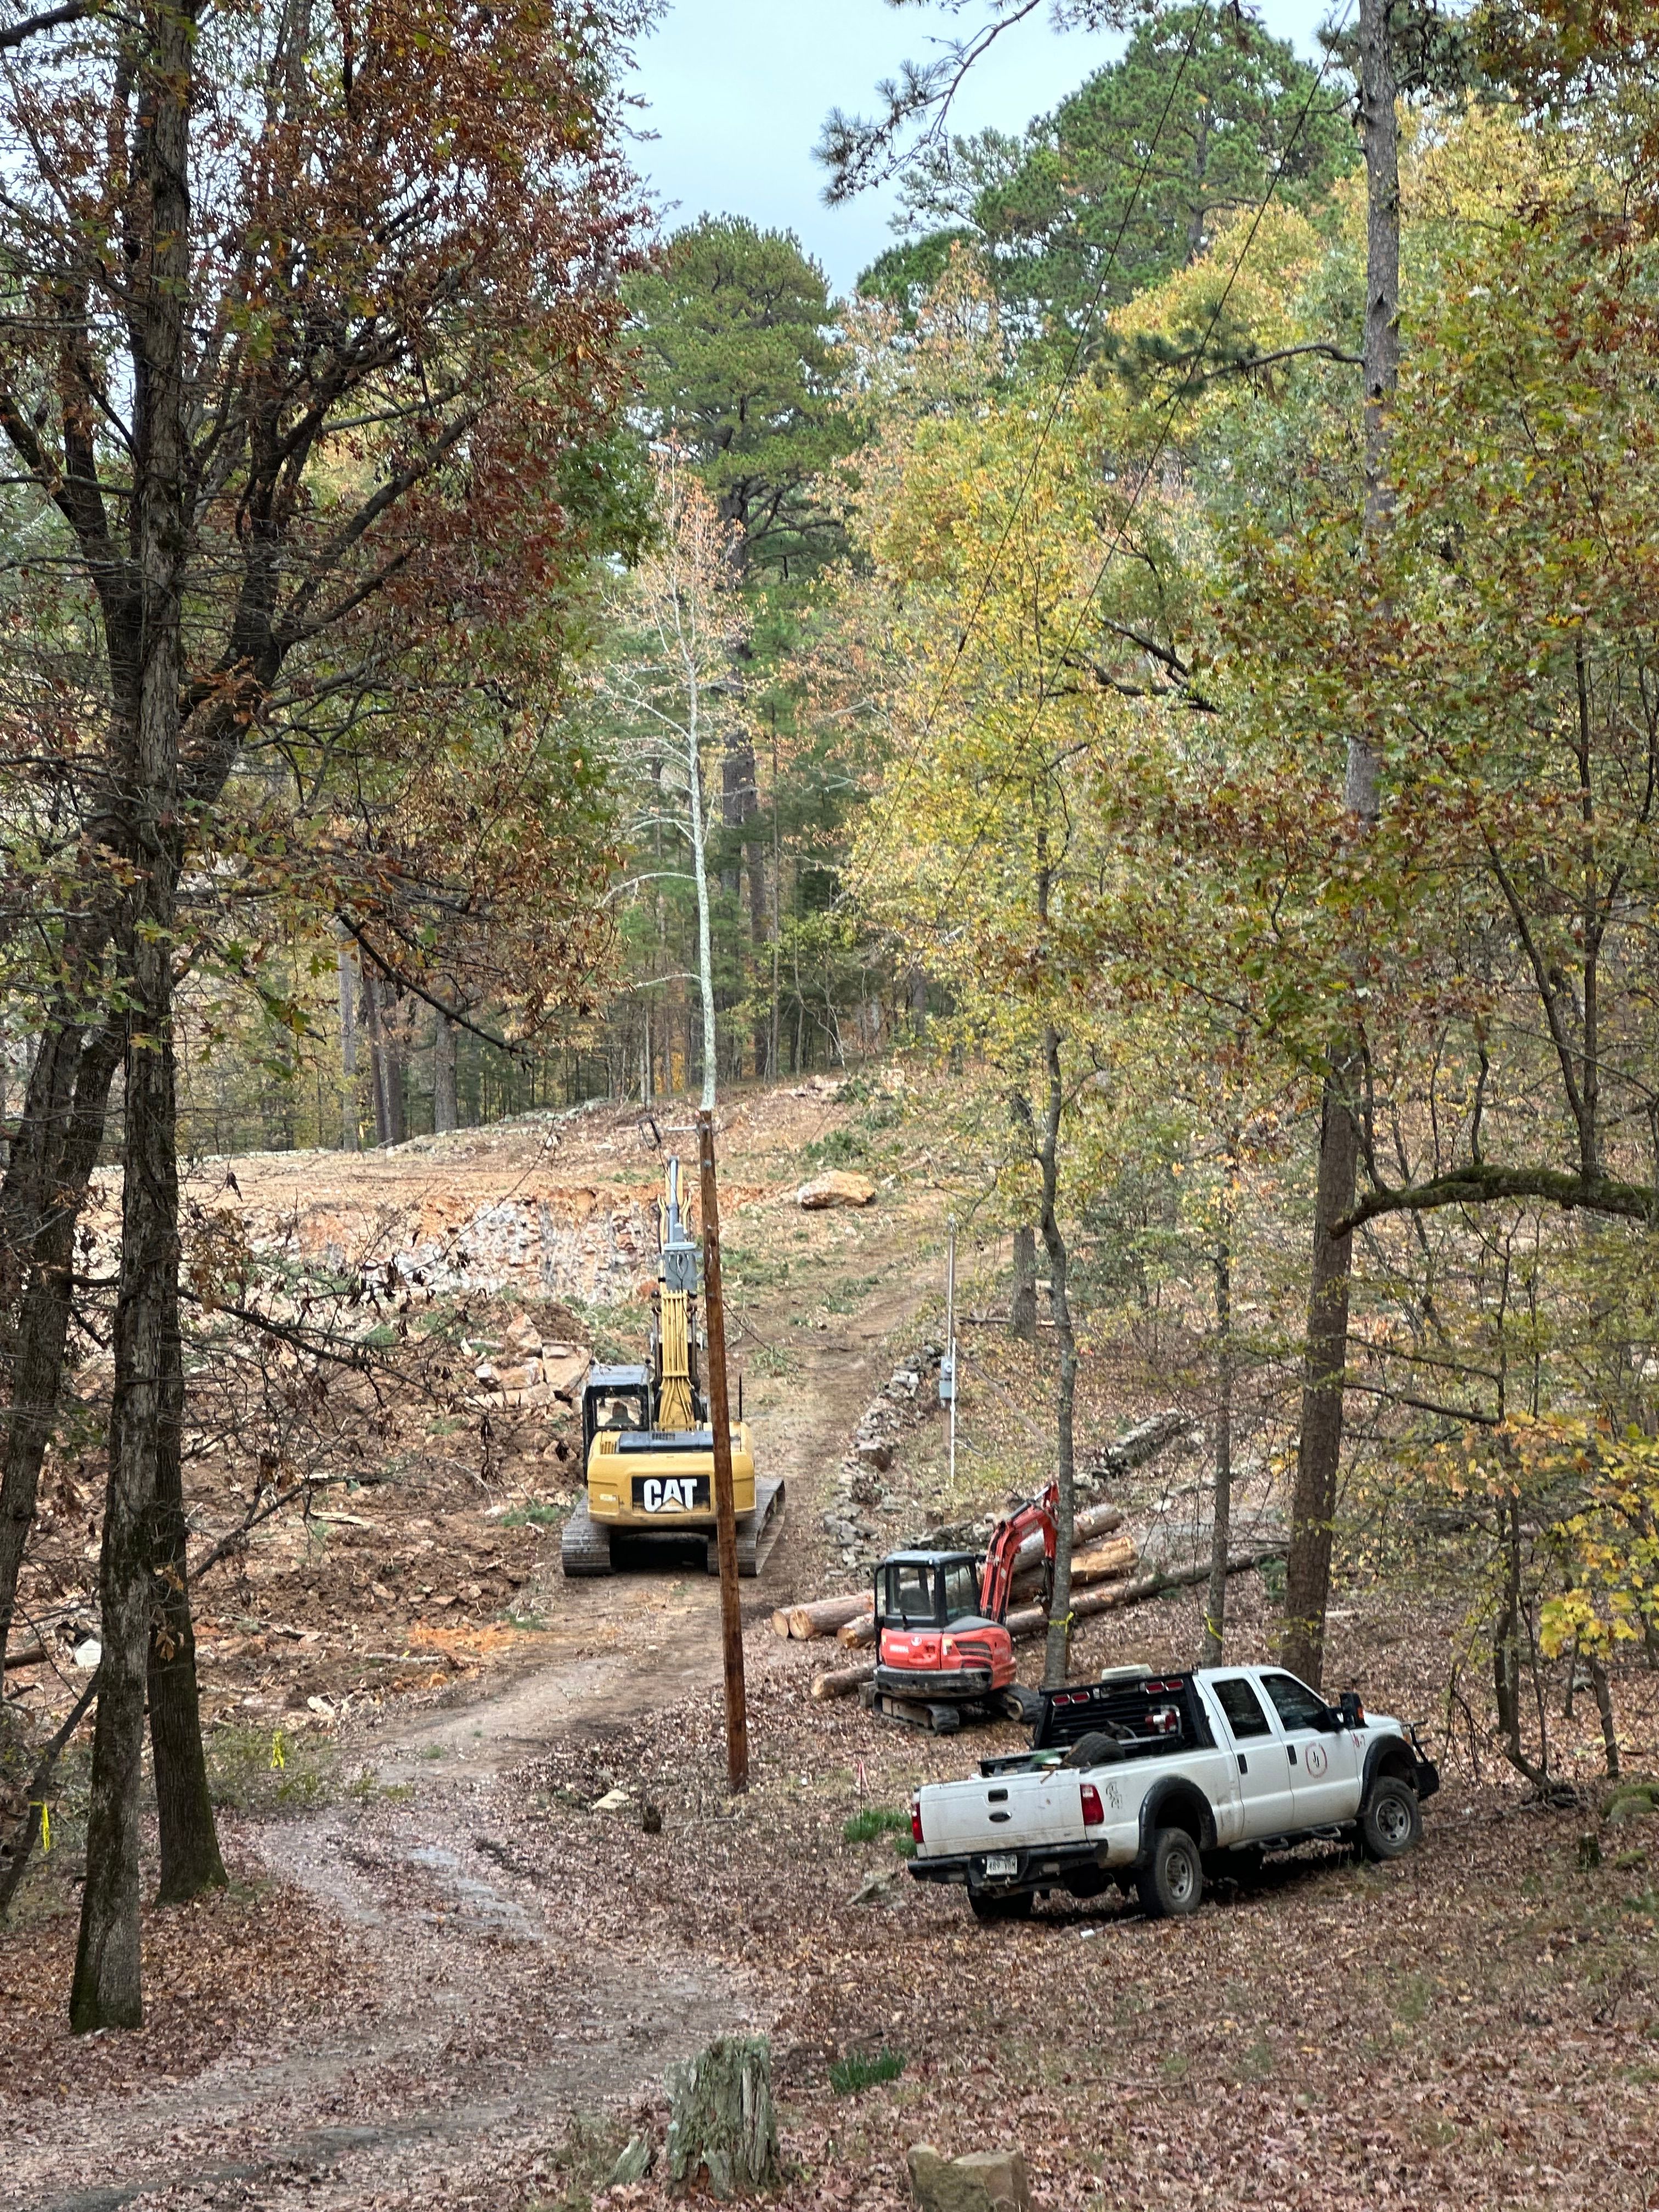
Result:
[{"x": 1001, "y": 1863}]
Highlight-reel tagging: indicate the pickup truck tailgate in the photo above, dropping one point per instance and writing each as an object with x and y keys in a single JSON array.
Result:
[{"x": 991, "y": 1812}]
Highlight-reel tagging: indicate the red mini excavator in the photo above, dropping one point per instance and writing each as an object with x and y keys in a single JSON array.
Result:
[{"x": 943, "y": 1652}]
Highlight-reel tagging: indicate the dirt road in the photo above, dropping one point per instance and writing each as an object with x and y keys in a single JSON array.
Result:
[{"x": 474, "y": 2007}]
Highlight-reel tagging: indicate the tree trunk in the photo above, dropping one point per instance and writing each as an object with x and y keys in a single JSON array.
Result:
[
  {"x": 1215, "y": 1611},
  {"x": 700, "y": 870},
  {"x": 1307, "y": 1581},
  {"x": 1057, "y": 1658},
  {"x": 1598, "y": 1674},
  {"x": 376, "y": 1059},
  {"x": 1022, "y": 1317},
  {"x": 822, "y": 1616},
  {"x": 444, "y": 1115},
  {"x": 37, "y": 1360},
  {"x": 1312, "y": 1504},
  {"x": 348, "y": 1051},
  {"x": 189, "y": 1836},
  {"x": 385, "y": 1060},
  {"x": 106, "y": 1990},
  {"x": 777, "y": 915}
]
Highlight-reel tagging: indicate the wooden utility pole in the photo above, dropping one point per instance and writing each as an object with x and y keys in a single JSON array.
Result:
[{"x": 719, "y": 1421}]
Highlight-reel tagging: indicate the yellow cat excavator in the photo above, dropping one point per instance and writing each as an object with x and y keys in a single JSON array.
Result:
[{"x": 647, "y": 1445}]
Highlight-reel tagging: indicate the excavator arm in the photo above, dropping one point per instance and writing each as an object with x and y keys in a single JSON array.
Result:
[
  {"x": 676, "y": 1392},
  {"x": 996, "y": 1581}
]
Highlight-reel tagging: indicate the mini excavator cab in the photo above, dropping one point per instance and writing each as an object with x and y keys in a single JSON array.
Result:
[{"x": 942, "y": 1649}]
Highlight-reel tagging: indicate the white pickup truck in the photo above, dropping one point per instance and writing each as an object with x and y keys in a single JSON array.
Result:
[{"x": 1150, "y": 1781}]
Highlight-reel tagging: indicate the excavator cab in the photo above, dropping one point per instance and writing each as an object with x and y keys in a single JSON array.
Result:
[
  {"x": 617, "y": 1399},
  {"x": 924, "y": 1589}
]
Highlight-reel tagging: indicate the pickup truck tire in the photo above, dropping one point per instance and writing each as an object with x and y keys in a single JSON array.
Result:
[
  {"x": 1390, "y": 1820},
  {"x": 1095, "y": 1749},
  {"x": 988, "y": 1906},
  {"x": 1172, "y": 1882}
]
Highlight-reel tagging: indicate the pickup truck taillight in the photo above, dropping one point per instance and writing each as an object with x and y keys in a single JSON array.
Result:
[
  {"x": 1094, "y": 1813},
  {"x": 915, "y": 1818}
]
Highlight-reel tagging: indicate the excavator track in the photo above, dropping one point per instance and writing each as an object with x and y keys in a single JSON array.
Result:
[
  {"x": 585, "y": 1547},
  {"x": 756, "y": 1532}
]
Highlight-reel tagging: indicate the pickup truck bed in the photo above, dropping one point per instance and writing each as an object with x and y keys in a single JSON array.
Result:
[{"x": 1149, "y": 1780}]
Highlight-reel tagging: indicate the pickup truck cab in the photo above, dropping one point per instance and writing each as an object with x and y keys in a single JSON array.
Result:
[{"x": 1150, "y": 1781}]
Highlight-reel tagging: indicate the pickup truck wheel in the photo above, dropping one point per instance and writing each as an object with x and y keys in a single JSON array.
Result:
[
  {"x": 1391, "y": 1819},
  {"x": 1172, "y": 1885},
  {"x": 987, "y": 1906}
]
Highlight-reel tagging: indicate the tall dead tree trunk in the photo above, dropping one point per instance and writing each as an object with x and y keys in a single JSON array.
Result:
[
  {"x": 1313, "y": 1507},
  {"x": 107, "y": 1989}
]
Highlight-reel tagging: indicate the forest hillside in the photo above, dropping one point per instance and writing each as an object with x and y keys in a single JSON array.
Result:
[{"x": 752, "y": 1033}]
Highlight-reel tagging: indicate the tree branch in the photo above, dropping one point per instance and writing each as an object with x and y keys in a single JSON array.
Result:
[
  {"x": 1480, "y": 1185},
  {"x": 49, "y": 19}
]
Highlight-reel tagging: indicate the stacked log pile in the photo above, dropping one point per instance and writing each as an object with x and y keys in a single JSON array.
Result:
[{"x": 1033, "y": 1620}]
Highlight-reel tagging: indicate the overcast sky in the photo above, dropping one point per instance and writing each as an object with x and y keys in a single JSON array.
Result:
[{"x": 737, "y": 90}]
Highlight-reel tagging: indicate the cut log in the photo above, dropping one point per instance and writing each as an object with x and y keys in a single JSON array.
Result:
[
  {"x": 841, "y": 1682},
  {"x": 1143, "y": 1441},
  {"x": 1100, "y": 1565},
  {"x": 1093, "y": 1521},
  {"x": 857, "y": 1633},
  {"x": 824, "y": 1615},
  {"x": 1115, "y": 1558},
  {"x": 1034, "y": 1621},
  {"x": 780, "y": 1622}
]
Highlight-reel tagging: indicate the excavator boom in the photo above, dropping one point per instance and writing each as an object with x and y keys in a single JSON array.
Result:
[{"x": 997, "y": 1581}]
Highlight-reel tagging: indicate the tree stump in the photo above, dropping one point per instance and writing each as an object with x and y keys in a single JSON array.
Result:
[{"x": 722, "y": 2129}]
